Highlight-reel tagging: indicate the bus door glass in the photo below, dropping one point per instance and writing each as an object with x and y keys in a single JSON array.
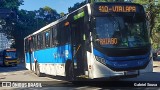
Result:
[
  {"x": 30, "y": 51},
  {"x": 77, "y": 28}
]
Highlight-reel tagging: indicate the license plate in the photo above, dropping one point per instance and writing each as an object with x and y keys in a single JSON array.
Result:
[{"x": 131, "y": 72}]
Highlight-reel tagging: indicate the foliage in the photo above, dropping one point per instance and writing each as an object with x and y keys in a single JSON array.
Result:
[
  {"x": 62, "y": 14},
  {"x": 48, "y": 14},
  {"x": 143, "y": 2},
  {"x": 12, "y": 4},
  {"x": 21, "y": 23},
  {"x": 76, "y": 6},
  {"x": 106, "y": 1},
  {"x": 153, "y": 13},
  {"x": 30, "y": 21}
]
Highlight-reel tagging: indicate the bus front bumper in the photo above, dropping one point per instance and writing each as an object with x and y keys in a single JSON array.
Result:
[{"x": 11, "y": 62}]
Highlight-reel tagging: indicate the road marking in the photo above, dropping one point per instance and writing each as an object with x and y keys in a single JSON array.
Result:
[
  {"x": 5, "y": 74},
  {"x": 88, "y": 88},
  {"x": 2, "y": 78}
]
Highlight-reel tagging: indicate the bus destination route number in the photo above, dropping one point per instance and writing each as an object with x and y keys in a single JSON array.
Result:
[{"x": 117, "y": 9}]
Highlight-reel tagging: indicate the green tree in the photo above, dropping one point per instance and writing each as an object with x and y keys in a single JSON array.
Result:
[
  {"x": 62, "y": 14},
  {"x": 92, "y": 1},
  {"x": 20, "y": 23},
  {"x": 76, "y": 6},
  {"x": 143, "y": 2},
  {"x": 30, "y": 21},
  {"x": 47, "y": 15},
  {"x": 12, "y": 4},
  {"x": 11, "y": 18}
]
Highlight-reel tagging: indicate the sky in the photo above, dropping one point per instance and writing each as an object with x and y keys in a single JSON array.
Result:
[{"x": 58, "y": 5}]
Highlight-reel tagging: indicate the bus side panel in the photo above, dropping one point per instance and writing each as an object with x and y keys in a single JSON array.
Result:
[
  {"x": 27, "y": 60},
  {"x": 52, "y": 60}
]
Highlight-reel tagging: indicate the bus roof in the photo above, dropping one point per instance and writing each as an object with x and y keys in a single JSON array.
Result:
[
  {"x": 47, "y": 26},
  {"x": 65, "y": 17},
  {"x": 54, "y": 23}
]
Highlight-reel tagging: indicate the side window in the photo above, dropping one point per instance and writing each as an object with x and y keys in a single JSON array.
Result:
[
  {"x": 34, "y": 43},
  {"x": 26, "y": 45},
  {"x": 59, "y": 35},
  {"x": 47, "y": 38},
  {"x": 38, "y": 41},
  {"x": 41, "y": 40},
  {"x": 62, "y": 34},
  {"x": 30, "y": 43},
  {"x": 65, "y": 35},
  {"x": 54, "y": 36}
]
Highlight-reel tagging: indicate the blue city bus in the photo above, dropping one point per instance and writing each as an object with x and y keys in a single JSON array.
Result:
[{"x": 98, "y": 40}]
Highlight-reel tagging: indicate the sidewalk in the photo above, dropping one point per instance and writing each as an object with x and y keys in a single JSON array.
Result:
[
  {"x": 156, "y": 66},
  {"x": 156, "y": 63}
]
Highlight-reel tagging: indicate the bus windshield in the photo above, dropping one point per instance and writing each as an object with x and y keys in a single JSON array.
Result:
[
  {"x": 120, "y": 30},
  {"x": 11, "y": 54}
]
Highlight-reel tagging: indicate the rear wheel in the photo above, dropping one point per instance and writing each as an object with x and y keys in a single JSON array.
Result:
[
  {"x": 69, "y": 71},
  {"x": 38, "y": 73}
]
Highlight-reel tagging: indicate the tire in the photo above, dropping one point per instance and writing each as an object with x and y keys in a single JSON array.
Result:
[
  {"x": 38, "y": 73},
  {"x": 69, "y": 71}
]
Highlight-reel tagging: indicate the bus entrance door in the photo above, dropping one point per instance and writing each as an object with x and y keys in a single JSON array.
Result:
[
  {"x": 30, "y": 52},
  {"x": 78, "y": 47}
]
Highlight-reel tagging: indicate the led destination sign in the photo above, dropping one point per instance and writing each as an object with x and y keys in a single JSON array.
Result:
[
  {"x": 106, "y": 41},
  {"x": 117, "y": 8}
]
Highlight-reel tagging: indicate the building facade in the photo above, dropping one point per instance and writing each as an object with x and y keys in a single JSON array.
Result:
[{"x": 4, "y": 42}]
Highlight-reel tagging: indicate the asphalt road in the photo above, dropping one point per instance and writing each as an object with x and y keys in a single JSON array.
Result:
[{"x": 24, "y": 76}]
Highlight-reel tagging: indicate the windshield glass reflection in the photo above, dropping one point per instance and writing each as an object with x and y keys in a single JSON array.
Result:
[{"x": 120, "y": 32}]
